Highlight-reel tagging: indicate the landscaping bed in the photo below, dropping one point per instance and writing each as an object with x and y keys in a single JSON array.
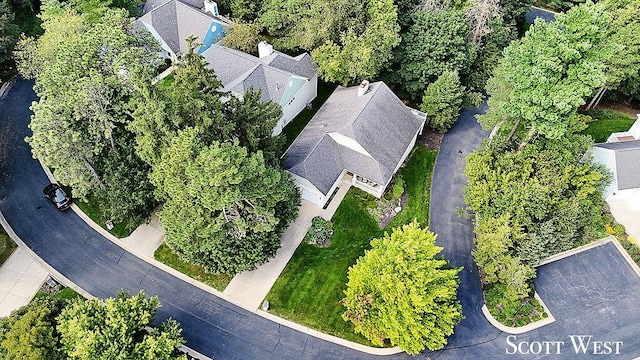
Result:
[
  {"x": 310, "y": 288},
  {"x": 513, "y": 314},
  {"x": 165, "y": 255}
]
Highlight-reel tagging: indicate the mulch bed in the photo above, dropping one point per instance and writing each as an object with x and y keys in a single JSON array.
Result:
[{"x": 431, "y": 139}]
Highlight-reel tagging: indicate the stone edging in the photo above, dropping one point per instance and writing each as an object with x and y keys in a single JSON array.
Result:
[{"x": 209, "y": 289}]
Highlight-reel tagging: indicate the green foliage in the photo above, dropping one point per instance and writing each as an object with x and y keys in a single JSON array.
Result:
[
  {"x": 289, "y": 21},
  {"x": 310, "y": 288},
  {"x": 6, "y": 246},
  {"x": 161, "y": 111},
  {"x": 243, "y": 36},
  {"x": 9, "y": 31},
  {"x": 546, "y": 75},
  {"x": 512, "y": 313},
  {"x": 363, "y": 50},
  {"x": 84, "y": 74},
  {"x": 442, "y": 101},
  {"x": 547, "y": 190},
  {"x": 128, "y": 194},
  {"x": 399, "y": 291},
  {"x": 165, "y": 255},
  {"x": 225, "y": 209},
  {"x": 435, "y": 43},
  {"x": 246, "y": 10},
  {"x": 398, "y": 188},
  {"x": 30, "y": 333},
  {"x": 489, "y": 54},
  {"x": 115, "y": 329},
  {"x": 320, "y": 231},
  {"x": 623, "y": 68}
]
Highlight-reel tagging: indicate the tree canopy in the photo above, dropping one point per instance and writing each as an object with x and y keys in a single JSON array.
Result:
[
  {"x": 29, "y": 333},
  {"x": 9, "y": 31},
  {"x": 442, "y": 101},
  {"x": 400, "y": 291},
  {"x": 115, "y": 329},
  {"x": 362, "y": 51},
  {"x": 435, "y": 42},
  {"x": 546, "y": 75},
  {"x": 225, "y": 208}
]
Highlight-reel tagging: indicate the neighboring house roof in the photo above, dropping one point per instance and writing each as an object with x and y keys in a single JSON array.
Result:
[
  {"x": 627, "y": 157},
  {"x": 279, "y": 76},
  {"x": 173, "y": 21},
  {"x": 367, "y": 135}
]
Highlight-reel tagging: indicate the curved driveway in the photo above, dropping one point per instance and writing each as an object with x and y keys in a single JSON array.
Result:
[{"x": 222, "y": 330}]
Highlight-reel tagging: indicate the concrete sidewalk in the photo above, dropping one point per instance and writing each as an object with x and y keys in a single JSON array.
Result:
[
  {"x": 20, "y": 279},
  {"x": 628, "y": 215},
  {"x": 147, "y": 237},
  {"x": 251, "y": 287}
]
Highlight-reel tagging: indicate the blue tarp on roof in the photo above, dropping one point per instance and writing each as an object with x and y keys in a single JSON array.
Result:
[{"x": 214, "y": 34}]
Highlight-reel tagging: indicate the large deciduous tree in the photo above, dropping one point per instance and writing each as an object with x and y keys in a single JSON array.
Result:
[
  {"x": 546, "y": 75},
  {"x": 116, "y": 329},
  {"x": 363, "y": 50},
  {"x": 436, "y": 42},
  {"x": 9, "y": 31},
  {"x": 400, "y": 291},
  {"x": 29, "y": 333},
  {"x": 290, "y": 21},
  {"x": 225, "y": 208},
  {"x": 84, "y": 80}
]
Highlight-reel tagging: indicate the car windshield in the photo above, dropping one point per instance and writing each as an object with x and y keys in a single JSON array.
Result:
[{"x": 59, "y": 196}]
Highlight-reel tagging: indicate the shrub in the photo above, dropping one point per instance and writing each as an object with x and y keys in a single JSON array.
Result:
[
  {"x": 618, "y": 229},
  {"x": 398, "y": 188},
  {"x": 320, "y": 231}
]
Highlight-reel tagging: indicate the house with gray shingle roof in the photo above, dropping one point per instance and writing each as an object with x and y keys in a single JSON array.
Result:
[
  {"x": 622, "y": 158},
  {"x": 170, "y": 22},
  {"x": 291, "y": 82},
  {"x": 361, "y": 133}
]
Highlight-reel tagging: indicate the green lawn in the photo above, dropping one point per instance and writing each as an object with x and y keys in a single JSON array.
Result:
[
  {"x": 311, "y": 286},
  {"x": 120, "y": 230},
  {"x": 296, "y": 125},
  {"x": 166, "y": 256},
  {"x": 606, "y": 122},
  {"x": 7, "y": 246}
]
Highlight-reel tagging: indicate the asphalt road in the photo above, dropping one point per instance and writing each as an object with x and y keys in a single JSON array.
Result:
[
  {"x": 222, "y": 330},
  {"x": 535, "y": 13}
]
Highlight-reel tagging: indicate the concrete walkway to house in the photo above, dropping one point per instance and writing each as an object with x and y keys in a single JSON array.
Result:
[
  {"x": 251, "y": 287},
  {"x": 147, "y": 237},
  {"x": 628, "y": 215},
  {"x": 20, "y": 279}
]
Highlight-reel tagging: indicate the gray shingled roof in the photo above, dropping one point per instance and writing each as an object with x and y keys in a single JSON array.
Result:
[
  {"x": 378, "y": 121},
  {"x": 175, "y": 21},
  {"x": 302, "y": 65},
  {"x": 627, "y": 155},
  {"x": 239, "y": 71}
]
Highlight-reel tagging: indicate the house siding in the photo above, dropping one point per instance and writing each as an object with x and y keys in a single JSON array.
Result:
[
  {"x": 607, "y": 157},
  {"x": 305, "y": 95}
]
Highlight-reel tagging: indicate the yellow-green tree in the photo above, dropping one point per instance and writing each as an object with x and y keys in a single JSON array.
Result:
[{"x": 399, "y": 291}]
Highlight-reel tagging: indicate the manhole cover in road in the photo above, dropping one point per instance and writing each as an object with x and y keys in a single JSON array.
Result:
[{"x": 38, "y": 207}]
